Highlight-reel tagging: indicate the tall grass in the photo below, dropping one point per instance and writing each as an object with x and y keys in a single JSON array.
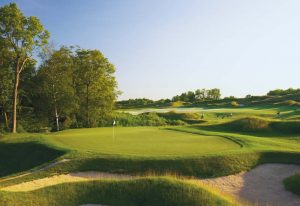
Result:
[{"x": 143, "y": 191}]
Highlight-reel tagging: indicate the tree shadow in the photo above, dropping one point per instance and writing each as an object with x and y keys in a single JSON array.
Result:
[{"x": 18, "y": 157}]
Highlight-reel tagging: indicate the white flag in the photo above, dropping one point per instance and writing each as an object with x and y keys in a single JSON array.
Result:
[{"x": 114, "y": 123}]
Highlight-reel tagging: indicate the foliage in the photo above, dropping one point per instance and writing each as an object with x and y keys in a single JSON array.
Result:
[
  {"x": 144, "y": 119},
  {"x": 95, "y": 86},
  {"x": 21, "y": 36},
  {"x": 53, "y": 88},
  {"x": 177, "y": 104},
  {"x": 135, "y": 103},
  {"x": 198, "y": 95},
  {"x": 234, "y": 104},
  {"x": 71, "y": 88},
  {"x": 281, "y": 92}
]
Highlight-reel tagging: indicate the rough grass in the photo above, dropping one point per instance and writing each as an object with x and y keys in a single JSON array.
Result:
[
  {"x": 187, "y": 117},
  {"x": 145, "y": 191},
  {"x": 293, "y": 183}
]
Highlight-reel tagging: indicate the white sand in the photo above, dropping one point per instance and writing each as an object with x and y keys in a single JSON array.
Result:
[{"x": 262, "y": 185}]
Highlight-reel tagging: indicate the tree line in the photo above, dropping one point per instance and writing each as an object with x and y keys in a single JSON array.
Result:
[
  {"x": 192, "y": 97},
  {"x": 282, "y": 92},
  {"x": 198, "y": 95},
  {"x": 70, "y": 87}
]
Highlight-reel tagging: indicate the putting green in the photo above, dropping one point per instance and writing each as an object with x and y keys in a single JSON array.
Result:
[{"x": 141, "y": 141}]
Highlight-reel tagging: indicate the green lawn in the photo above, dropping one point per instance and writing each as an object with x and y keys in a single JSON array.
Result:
[{"x": 141, "y": 141}]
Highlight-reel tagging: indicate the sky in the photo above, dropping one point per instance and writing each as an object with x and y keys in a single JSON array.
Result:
[{"x": 161, "y": 48}]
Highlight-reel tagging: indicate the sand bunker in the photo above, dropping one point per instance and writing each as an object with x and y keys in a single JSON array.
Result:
[
  {"x": 65, "y": 178},
  {"x": 262, "y": 185}
]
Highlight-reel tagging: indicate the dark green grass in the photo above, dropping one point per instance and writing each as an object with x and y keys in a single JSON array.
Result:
[
  {"x": 144, "y": 191},
  {"x": 293, "y": 183},
  {"x": 18, "y": 157}
]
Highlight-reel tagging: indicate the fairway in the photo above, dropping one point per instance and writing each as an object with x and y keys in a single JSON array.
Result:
[{"x": 141, "y": 141}]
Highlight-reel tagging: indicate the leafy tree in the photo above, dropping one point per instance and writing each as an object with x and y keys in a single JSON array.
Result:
[
  {"x": 214, "y": 94},
  {"x": 22, "y": 35},
  {"x": 5, "y": 93},
  {"x": 191, "y": 96},
  {"x": 278, "y": 92},
  {"x": 55, "y": 95},
  {"x": 95, "y": 86}
]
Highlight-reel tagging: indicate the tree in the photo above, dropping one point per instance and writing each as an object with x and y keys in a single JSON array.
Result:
[
  {"x": 54, "y": 90},
  {"x": 191, "y": 96},
  {"x": 95, "y": 86},
  {"x": 23, "y": 35},
  {"x": 200, "y": 94},
  {"x": 6, "y": 78},
  {"x": 5, "y": 93},
  {"x": 215, "y": 94}
]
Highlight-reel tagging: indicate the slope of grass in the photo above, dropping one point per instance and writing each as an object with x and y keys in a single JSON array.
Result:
[
  {"x": 144, "y": 191},
  {"x": 17, "y": 155},
  {"x": 257, "y": 126}
]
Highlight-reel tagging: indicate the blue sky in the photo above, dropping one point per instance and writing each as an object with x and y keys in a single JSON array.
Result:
[{"x": 165, "y": 47}]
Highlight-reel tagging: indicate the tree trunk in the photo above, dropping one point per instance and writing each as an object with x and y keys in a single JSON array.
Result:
[
  {"x": 55, "y": 108},
  {"x": 15, "y": 100},
  {"x": 56, "y": 117},
  {"x": 87, "y": 106},
  {"x": 5, "y": 118},
  {"x": 19, "y": 67}
]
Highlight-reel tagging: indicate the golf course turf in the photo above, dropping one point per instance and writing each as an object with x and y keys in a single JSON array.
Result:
[
  {"x": 142, "y": 141},
  {"x": 215, "y": 148}
]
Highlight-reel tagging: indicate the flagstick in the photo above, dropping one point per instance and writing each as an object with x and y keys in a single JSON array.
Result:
[
  {"x": 114, "y": 122},
  {"x": 113, "y": 132}
]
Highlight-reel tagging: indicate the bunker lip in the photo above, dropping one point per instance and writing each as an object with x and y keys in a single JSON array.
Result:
[
  {"x": 63, "y": 178},
  {"x": 260, "y": 186}
]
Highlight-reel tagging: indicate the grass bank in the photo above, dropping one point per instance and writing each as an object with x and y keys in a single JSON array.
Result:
[{"x": 144, "y": 191}]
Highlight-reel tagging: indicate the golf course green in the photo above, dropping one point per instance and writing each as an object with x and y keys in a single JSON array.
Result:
[{"x": 141, "y": 141}]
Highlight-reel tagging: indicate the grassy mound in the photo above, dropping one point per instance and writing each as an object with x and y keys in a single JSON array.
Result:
[
  {"x": 291, "y": 103},
  {"x": 293, "y": 183},
  {"x": 188, "y": 117},
  {"x": 254, "y": 124},
  {"x": 144, "y": 191},
  {"x": 18, "y": 157},
  {"x": 248, "y": 124}
]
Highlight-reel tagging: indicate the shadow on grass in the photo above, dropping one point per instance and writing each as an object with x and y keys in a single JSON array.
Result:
[
  {"x": 203, "y": 167},
  {"x": 18, "y": 157}
]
